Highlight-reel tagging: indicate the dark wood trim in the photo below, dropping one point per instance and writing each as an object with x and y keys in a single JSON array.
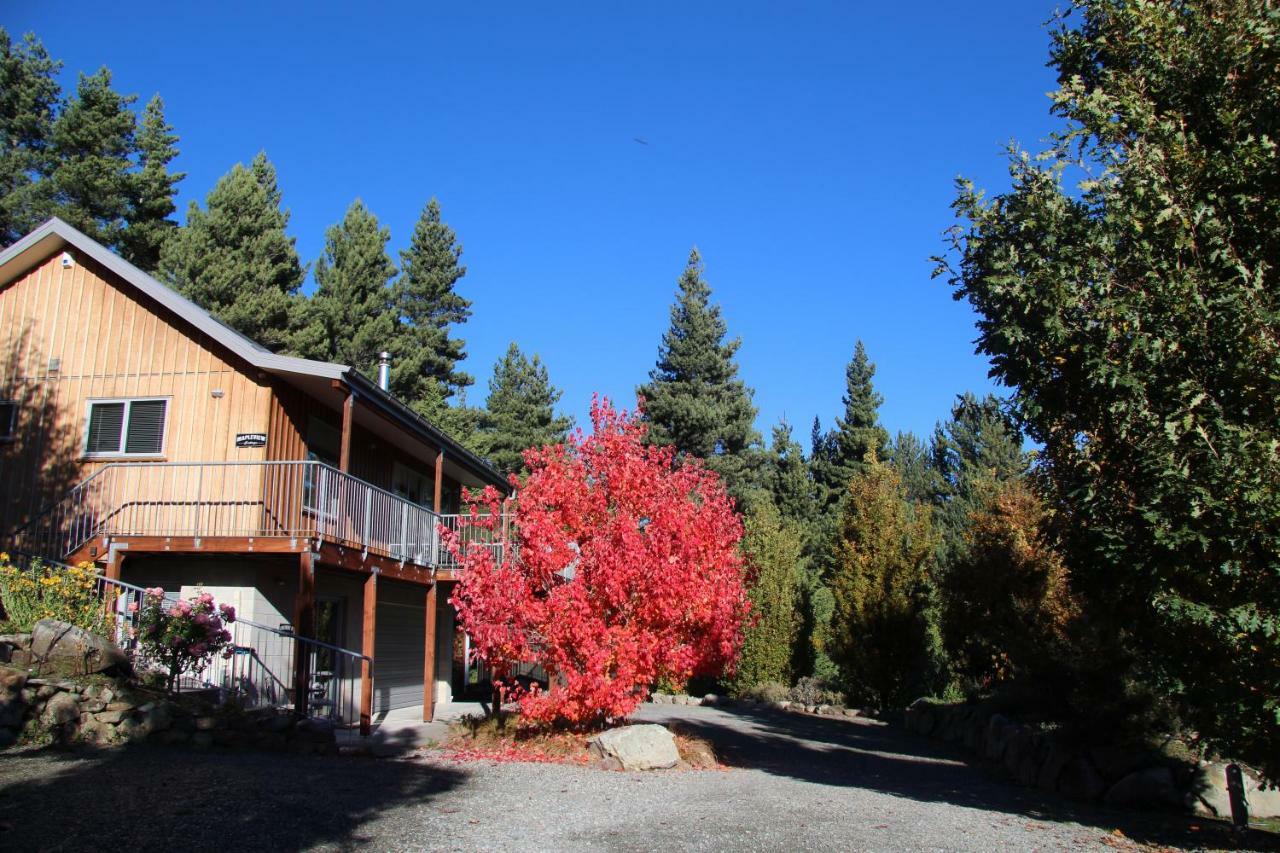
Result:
[
  {"x": 429, "y": 658},
  {"x": 348, "y": 413},
  {"x": 115, "y": 560},
  {"x": 212, "y": 544},
  {"x": 439, "y": 492},
  {"x": 368, "y": 633},
  {"x": 355, "y": 560},
  {"x": 304, "y": 617}
]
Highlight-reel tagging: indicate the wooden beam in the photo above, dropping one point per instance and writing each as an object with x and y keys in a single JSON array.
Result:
[
  {"x": 213, "y": 544},
  {"x": 429, "y": 658},
  {"x": 344, "y": 454},
  {"x": 369, "y": 629},
  {"x": 439, "y": 481},
  {"x": 304, "y": 617}
]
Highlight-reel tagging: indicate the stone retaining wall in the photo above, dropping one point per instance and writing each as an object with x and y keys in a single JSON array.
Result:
[
  {"x": 1110, "y": 775},
  {"x": 103, "y": 712}
]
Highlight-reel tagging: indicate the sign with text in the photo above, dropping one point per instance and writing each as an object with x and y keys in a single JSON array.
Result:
[{"x": 251, "y": 439}]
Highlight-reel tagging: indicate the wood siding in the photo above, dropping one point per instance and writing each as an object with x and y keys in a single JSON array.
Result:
[{"x": 72, "y": 334}]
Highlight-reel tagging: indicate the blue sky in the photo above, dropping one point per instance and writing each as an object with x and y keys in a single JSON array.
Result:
[{"x": 808, "y": 149}]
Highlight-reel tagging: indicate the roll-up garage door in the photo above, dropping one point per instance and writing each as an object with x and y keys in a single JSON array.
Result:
[{"x": 398, "y": 653}]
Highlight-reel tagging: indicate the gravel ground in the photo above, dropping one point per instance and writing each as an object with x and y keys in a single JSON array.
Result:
[{"x": 795, "y": 783}]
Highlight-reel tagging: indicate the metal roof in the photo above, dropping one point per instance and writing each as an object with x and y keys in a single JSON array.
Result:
[{"x": 55, "y": 234}]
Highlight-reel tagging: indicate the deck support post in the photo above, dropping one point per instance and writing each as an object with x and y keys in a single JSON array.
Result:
[
  {"x": 344, "y": 451},
  {"x": 115, "y": 559},
  {"x": 439, "y": 485},
  {"x": 429, "y": 656},
  {"x": 369, "y": 631},
  {"x": 304, "y": 614}
]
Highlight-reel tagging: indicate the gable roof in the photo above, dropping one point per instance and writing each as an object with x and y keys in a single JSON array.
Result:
[{"x": 55, "y": 235}]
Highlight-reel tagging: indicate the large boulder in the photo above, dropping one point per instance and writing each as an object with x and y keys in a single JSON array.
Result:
[
  {"x": 55, "y": 643},
  {"x": 1152, "y": 787},
  {"x": 1080, "y": 781},
  {"x": 643, "y": 747}
]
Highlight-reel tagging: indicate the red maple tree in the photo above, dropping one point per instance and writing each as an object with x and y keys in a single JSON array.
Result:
[{"x": 625, "y": 570}]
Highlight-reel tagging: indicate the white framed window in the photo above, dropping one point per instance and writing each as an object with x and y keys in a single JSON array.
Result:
[
  {"x": 8, "y": 420},
  {"x": 132, "y": 426}
]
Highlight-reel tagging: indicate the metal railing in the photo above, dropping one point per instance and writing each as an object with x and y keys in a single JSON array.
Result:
[{"x": 473, "y": 536}]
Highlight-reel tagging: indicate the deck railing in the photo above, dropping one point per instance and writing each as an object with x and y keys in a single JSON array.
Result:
[{"x": 242, "y": 499}]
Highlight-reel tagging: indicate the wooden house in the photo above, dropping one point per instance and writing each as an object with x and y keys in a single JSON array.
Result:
[{"x": 139, "y": 432}]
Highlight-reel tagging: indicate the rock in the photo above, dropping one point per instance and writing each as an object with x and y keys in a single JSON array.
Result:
[
  {"x": 782, "y": 706},
  {"x": 61, "y": 709},
  {"x": 1056, "y": 759},
  {"x": 206, "y": 724},
  {"x": 999, "y": 731},
  {"x": 202, "y": 740},
  {"x": 658, "y": 698},
  {"x": 45, "y": 691},
  {"x": 1016, "y": 746},
  {"x": 11, "y": 680},
  {"x": 110, "y": 717},
  {"x": 8, "y": 738},
  {"x": 156, "y": 717},
  {"x": 174, "y": 736},
  {"x": 851, "y": 712},
  {"x": 95, "y": 705},
  {"x": 129, "y": 729},
  {"x": 55, "y": 642},
  {"x": 710, "y": 700},
  {"x": 121, "y": 706},
  {"x": 1080, "y": 781},
  {"x": 1209, "y": 798},
  {"x": 1146, "y": 788},
  {"x": 823, "y": 709},
  {"x": 642, "y": 747}
]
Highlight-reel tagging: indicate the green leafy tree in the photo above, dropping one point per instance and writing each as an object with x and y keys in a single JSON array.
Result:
[
  {"x": 773, "y": 549},
  {"x": 91, "y": 176},
  {"x": 520, "y": 411},
  {"x": 425, "y": 372},
  {"x": 352, "y": 318},
  {"x": 879, "y": 634},
  {"x": 842, "y": 453},
  {"x": 694, "y": 399},
  {"x": 29, "y": 101},
  {"x": 235, "y": 259},
  {"x": 152, "y": 190},
  {"x": 1135, "y": 315}
]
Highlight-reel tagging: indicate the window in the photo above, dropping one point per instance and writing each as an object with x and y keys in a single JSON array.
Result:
[
  {"x": 8, "y": 420},
  {"x": 126, "y": 427}
]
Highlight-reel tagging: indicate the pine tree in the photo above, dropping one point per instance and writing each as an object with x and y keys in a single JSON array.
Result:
[
  {"x": 980, "y": 444},
  {"x": 772, "y": 547},
  {"x": 152, "y": 191},
  {"x": 694, "y": 399},
  {"x": 787, "y": 478},
  {"x": 858, "y": 433},
  {"x": 235, "y": 259},
  {"x": 29, "y": 99},
  {"x": 93, "y": 147},
  {"x": 910, "y": 456},
  {"x": 352, "y": 318},
  {"x": 425, "y": 370},
  {"x": 520, "y": 411}
]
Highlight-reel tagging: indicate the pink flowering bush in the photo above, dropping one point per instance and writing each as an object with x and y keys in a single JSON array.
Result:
[{"x": 183, "y": 636}]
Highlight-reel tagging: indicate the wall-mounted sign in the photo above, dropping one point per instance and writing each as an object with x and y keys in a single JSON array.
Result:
[{"x": 251, "y": 439}]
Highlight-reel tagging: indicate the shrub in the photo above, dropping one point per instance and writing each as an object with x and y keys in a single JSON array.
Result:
[
  {"x": 815, "y": 691},
  {"x": 183, "y": 636},
  {"x": 772, "y": 549},
  {"x": 51, "y": 592},
  {"x": 769, "y": 692}
]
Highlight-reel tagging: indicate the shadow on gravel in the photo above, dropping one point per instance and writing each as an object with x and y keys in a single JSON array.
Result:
[
  {"x": 165, "y": 798},
  {"x": 878, "y": 757}
]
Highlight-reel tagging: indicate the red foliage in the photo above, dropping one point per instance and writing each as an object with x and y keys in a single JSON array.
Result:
[{"x": 625, "y": 570}]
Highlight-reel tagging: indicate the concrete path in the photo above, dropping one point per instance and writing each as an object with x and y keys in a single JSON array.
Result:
[{"x": 795, "y": 783}]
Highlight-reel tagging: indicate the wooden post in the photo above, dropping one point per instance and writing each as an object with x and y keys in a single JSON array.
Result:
[
  {"x": 368, "y": 633},
  {"x": 429, "y": 657},
  {"x": 439, "y": 482},
  {"x": 115, "y": 559},
  {"x": 304, "y": 615},
  {"x": 344, "y": 453}
]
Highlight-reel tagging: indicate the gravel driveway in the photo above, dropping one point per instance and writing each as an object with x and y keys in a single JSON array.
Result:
[{"x": 796, "y": 783}]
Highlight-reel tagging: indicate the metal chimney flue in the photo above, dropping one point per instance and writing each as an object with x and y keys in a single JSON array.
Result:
[{"x": 384, "y": 370}]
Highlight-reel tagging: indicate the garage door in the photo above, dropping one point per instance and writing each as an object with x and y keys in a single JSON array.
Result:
[{"x": 398, "y": 654}]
